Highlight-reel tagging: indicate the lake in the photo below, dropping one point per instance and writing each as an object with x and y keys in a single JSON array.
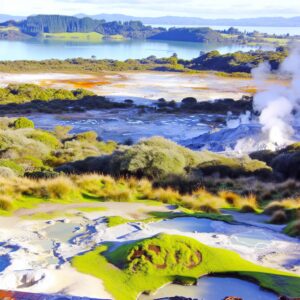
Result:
[{"x": 119, "y": 50}]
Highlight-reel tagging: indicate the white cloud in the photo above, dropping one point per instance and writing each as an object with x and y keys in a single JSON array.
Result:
[{"x": 197, "y": 8}]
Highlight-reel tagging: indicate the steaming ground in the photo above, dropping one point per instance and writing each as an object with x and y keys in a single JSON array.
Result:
[
  {"x": 35, "y": 254},
  {"x": 144, "y": 85},
  {"x": 279, "y": 105}
]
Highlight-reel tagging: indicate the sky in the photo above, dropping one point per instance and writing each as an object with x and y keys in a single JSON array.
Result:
[{"x": 191, "y": 8}]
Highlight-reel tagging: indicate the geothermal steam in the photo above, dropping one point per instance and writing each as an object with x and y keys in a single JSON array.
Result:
[{"x": 278, "y": 104}]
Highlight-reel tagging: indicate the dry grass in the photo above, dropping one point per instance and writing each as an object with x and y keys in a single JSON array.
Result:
[
  {"x": 6, "y": 203},
  {"x": 106, "y": 188},
  {"x": 231, "y": 198},
  {"x": 167, "y": 195},
  {"x": 57, "y": 188}
]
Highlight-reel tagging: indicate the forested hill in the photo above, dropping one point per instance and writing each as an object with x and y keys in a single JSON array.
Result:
[
  {"x": 57, "y": 24},
  {"x": 61, "y": 24},
  {"x": 202, "y": 35},
  {"x": 36, "y": 26}
]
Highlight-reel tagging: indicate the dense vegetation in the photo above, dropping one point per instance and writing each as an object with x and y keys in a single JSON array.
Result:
[
  {"x": 41, "y": 25},
  {"x": 201, "y": 35},
  {"x": 155, "y": 169},
  {"x": 158, "y": 158},
  {"x": 21, "y": 93},
  {"x": 25, "y": 98},
  {"x": 236, "y": 63},
  {"x": 61, "y": 24},
  {"x": 25, "y": 149},
  {"x": 239, "y": 61},
  {"x": 92, "y": 30},
  {"x": 146, "y": 265}
]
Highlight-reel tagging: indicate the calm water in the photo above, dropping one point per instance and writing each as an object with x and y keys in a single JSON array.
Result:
[
  {"x": 214, "y": 288},
  {"x": 29, "y": 50}
]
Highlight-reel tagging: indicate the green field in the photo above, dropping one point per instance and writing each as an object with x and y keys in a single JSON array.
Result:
[
  {"x": 91, "y": 37},
  {"x": 75, "y": 36},
  {"x": 9, "y": 28}
]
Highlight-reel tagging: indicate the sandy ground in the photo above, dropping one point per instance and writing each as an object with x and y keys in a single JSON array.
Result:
[
  {"x": 143, "y": 85},
  {"x": 35, "y": 254}
]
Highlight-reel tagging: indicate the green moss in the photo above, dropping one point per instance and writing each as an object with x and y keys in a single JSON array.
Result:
[
  {"x": 148, "y": 264},
  {"x": 116, "y": 221},
  {"x": 189, "y": 214}
]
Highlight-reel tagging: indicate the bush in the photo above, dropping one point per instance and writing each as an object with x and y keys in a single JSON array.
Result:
[
  {"x": 88, "y": 136},
  {"x": 6, "y": 172},
  {"x": 293, "y": 229},
  {"x": 273, "y": 207},
  {"x": 279, "y": 217},
  {"x": 62, "y": 132},
  {"x": 247, "y": 209},
  {"x": 44, "y": 137},
  {"x": 17, "y": 169},
  {"x": 23, "y": 122}
]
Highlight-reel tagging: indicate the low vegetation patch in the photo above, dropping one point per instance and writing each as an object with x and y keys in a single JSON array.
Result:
[{"x": 146, "y": 265}]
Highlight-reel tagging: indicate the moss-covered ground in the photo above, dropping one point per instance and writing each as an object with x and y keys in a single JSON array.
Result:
[{"x": 146, "y": 265}]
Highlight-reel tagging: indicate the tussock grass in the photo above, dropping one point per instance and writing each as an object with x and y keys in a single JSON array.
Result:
[
  {"x": 27, "y": 192},
  {"x": 6, "y": 203}
]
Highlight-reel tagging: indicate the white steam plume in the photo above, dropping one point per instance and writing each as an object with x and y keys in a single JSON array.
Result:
[{"x": 277, "y": 104}]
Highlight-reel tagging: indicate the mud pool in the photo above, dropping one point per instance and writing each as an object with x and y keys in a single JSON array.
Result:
[{"x": 49, "y": 244}]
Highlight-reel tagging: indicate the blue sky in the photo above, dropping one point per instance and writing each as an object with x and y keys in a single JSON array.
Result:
[{"x": 197, "y": 8}]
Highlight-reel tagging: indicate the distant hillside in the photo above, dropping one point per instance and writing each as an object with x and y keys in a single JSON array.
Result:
[
  {"x": 201, "y": 35},
  {"x": 173, "y": 20},
  {"x": 44, "y": 26},
  {"x": 4, "y": 18},
  {"x": 192, "y": 21}
]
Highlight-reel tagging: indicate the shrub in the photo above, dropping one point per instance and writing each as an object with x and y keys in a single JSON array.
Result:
[
  {"x": 154, "y": 158},
  {"x": 44, "y": 137},
  {"x": 273, "y": 207},
  {"x": 16, "y": 168},
  {"x": 6, "y": 172},
  {"x": 247, "y": 209},
  {"x": 293, "y": 229},
  {"x": 88, "y": 136},
  {"x": 62, "y": 132},
  {"x": 23, "y": 122},
  {"x": 279, "y": 217}
]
